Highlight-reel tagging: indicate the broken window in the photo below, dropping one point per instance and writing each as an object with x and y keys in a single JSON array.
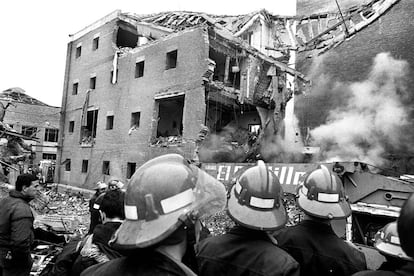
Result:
[
  {"x": 171, "y": 60},
  {"x": 126, "y": 36},
  {"x": 135, "y": 117},
  {"x": 49, "y": 156},
  {"x": 105, "y": 167},
  {"x": 71, "y": 126},
  {"x": 95, "y": 44},
  {"x": 248, "y": 37},
  {"x": 170, "y": 116},
  {"x": 67, "y": 165},
  {"x": 29, "y": 131},
  {"x": 131, "y": 167},
  {"x": 139, "y": 69},
  {"x": 75, "y": 88},
  {"x": 109, "y": 122},
  {"x": 51, "y": 135},
  {"x": 89, "y": 130},
  {"x": 78, "y": 51},
  {"x": 92, "y": 82},
  {"x": 85, "y": 166}
]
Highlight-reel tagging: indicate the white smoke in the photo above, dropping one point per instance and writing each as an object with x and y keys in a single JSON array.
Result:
[{"x": 372, "y": 118}]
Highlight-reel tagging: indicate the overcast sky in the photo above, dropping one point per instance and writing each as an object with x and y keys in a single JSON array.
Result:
[{"x": 34, "y": 34}]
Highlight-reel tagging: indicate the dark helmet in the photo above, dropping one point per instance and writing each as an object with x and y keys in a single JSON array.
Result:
[
  {"x": 255, "y": 200},
  {"x": 406, "y": 226},
  {"x": 322, "y": 195},
  {"x": 162, "y": 194},
  {"x": 388, "y": 242}
]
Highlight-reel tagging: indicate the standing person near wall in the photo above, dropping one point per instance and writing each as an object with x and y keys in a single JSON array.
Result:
[
  {"x": 255, "y": 205},
  {"x": 16, "y": 227},
  {"x": 164, "y": 197},
  {"x": 100, "y": 188},
  {"x": 312, "y": 242}
]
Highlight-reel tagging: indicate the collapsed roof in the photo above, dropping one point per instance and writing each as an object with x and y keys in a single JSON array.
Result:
[{"x": 17, "y": 94}]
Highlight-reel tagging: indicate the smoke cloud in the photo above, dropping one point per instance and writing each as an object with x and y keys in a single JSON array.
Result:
[{"x": 371, "y": 117}]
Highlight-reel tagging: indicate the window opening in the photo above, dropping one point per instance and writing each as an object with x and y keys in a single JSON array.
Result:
[
  {"x": 170, "y": 117},
  {"x": 95, "y": 43},
  {"x": 126, "y": 36},
  {"x": 105, "y": 167},
  {"x": 75, "y": 88},
  {"x": 29, "y": 131},
  {"x": 109, "y": 122},
  {"x": 71, "y": 126},
  {"x": 67, "y": 165},
  {"x": 78, "y": 51},
  {"x": 171, "y": 60},
  {"x": 131, "y": 167},
  {"x": 85, "y": 166},
  {"x": 139, "y": 69},
  {"x": 92, "y": 83},
  {"x": 51, "y": 135},
  {"x": 89, "y": 131}
]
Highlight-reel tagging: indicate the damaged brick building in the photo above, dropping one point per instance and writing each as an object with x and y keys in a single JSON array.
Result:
[{"x": 141, "y": 86}]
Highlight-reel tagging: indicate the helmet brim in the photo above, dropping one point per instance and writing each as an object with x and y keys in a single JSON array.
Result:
[
  {"x": 141, "y": 234},
  {"x": 391, "y": 249},
  {"x": 336, "y": 210},
  {"x": 254, "y": 218}
]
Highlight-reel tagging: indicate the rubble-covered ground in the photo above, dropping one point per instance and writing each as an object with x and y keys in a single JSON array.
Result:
[{"x": 68, "y": 212}]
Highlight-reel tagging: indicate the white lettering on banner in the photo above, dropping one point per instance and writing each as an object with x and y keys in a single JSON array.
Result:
[{"x": 287, "y": 174}]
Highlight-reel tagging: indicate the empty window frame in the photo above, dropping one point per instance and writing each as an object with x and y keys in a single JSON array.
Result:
[
  {"x": 75, "y": 87},
  {"x": 105, "y": 167},
  {"x": 131, "y": 167},
  {"x": 110, "y": 122},
  {"x": 29, "y": 131},
  {"x": 92, "y": 82},
  {"x": 139, "y": 69},
  {"x": 67, "y": 165},
  {"x": 89, "y": 131},
  {"x": 171, "y": 60},
  {"x": 71, "y": 126},
  {"x": 170, "y": 116},
  {"x": 135, "y": 118},
  {"x": 95, "y": 43},
  {"x": 51, "y": 135},
  {"x": 49, "y": 156},
  {"x": 85, "y": 164},
  {"x": 78, "y": 51}
]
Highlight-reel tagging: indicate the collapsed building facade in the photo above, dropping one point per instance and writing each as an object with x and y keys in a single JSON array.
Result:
[
  {"x": 140, "y": 86},
  {"x": 29, "y": 133}
]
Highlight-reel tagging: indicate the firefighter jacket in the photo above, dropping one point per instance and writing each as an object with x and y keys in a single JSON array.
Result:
[
  {"x": 243, "y": 252},
  {"x": 16, "y": 231},
  {"x": 145, "y": 262},
  {"x": 406, "y": 270},
  {"x": 319, "y": 250}
]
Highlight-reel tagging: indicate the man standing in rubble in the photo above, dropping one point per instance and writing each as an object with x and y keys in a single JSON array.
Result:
[
  {"x": 164, "y": 199},
  {"x": 100, "y": 189},
  {"x": 16, "y": 227},
  {"x": 313, "y": 242},
  {"x": 255, "y": 205}
]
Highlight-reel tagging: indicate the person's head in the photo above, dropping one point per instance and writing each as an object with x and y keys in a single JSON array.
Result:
[
  {"x": 112, "y": 205},
  {"x": 165, "y": 194},
  {"x": 115, "y": 184},
  {"x": 405, "y": 226},
  {"x": 101, "y": 187},
  {"x": 27, "y": 184},
  {"x": 255, "y": 200},
  {"x": 387, "y": 242},
  {"x": 321, "y": 195}
]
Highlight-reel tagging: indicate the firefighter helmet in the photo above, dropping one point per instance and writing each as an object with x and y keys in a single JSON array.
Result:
[
  {"x": 321, "y": 194},
  {"x": 406, "y": 226},
  {"x": 388, "y": 242},
  {"x": 162, "y": 194},
  {"x": 255, "y": 200}
]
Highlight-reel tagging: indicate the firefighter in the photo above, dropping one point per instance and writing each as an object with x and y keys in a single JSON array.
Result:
[
  {"x": 255, "y": 205},
  {"x": 387, "y": 242},
  {"x": 100, "y": 189},
  {"x": 313, "y": 242},
  {"x": 165, "y": 197}
]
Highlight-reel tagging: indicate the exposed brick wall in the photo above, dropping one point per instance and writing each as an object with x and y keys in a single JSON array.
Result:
[{"x": 129, "y": 95}]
